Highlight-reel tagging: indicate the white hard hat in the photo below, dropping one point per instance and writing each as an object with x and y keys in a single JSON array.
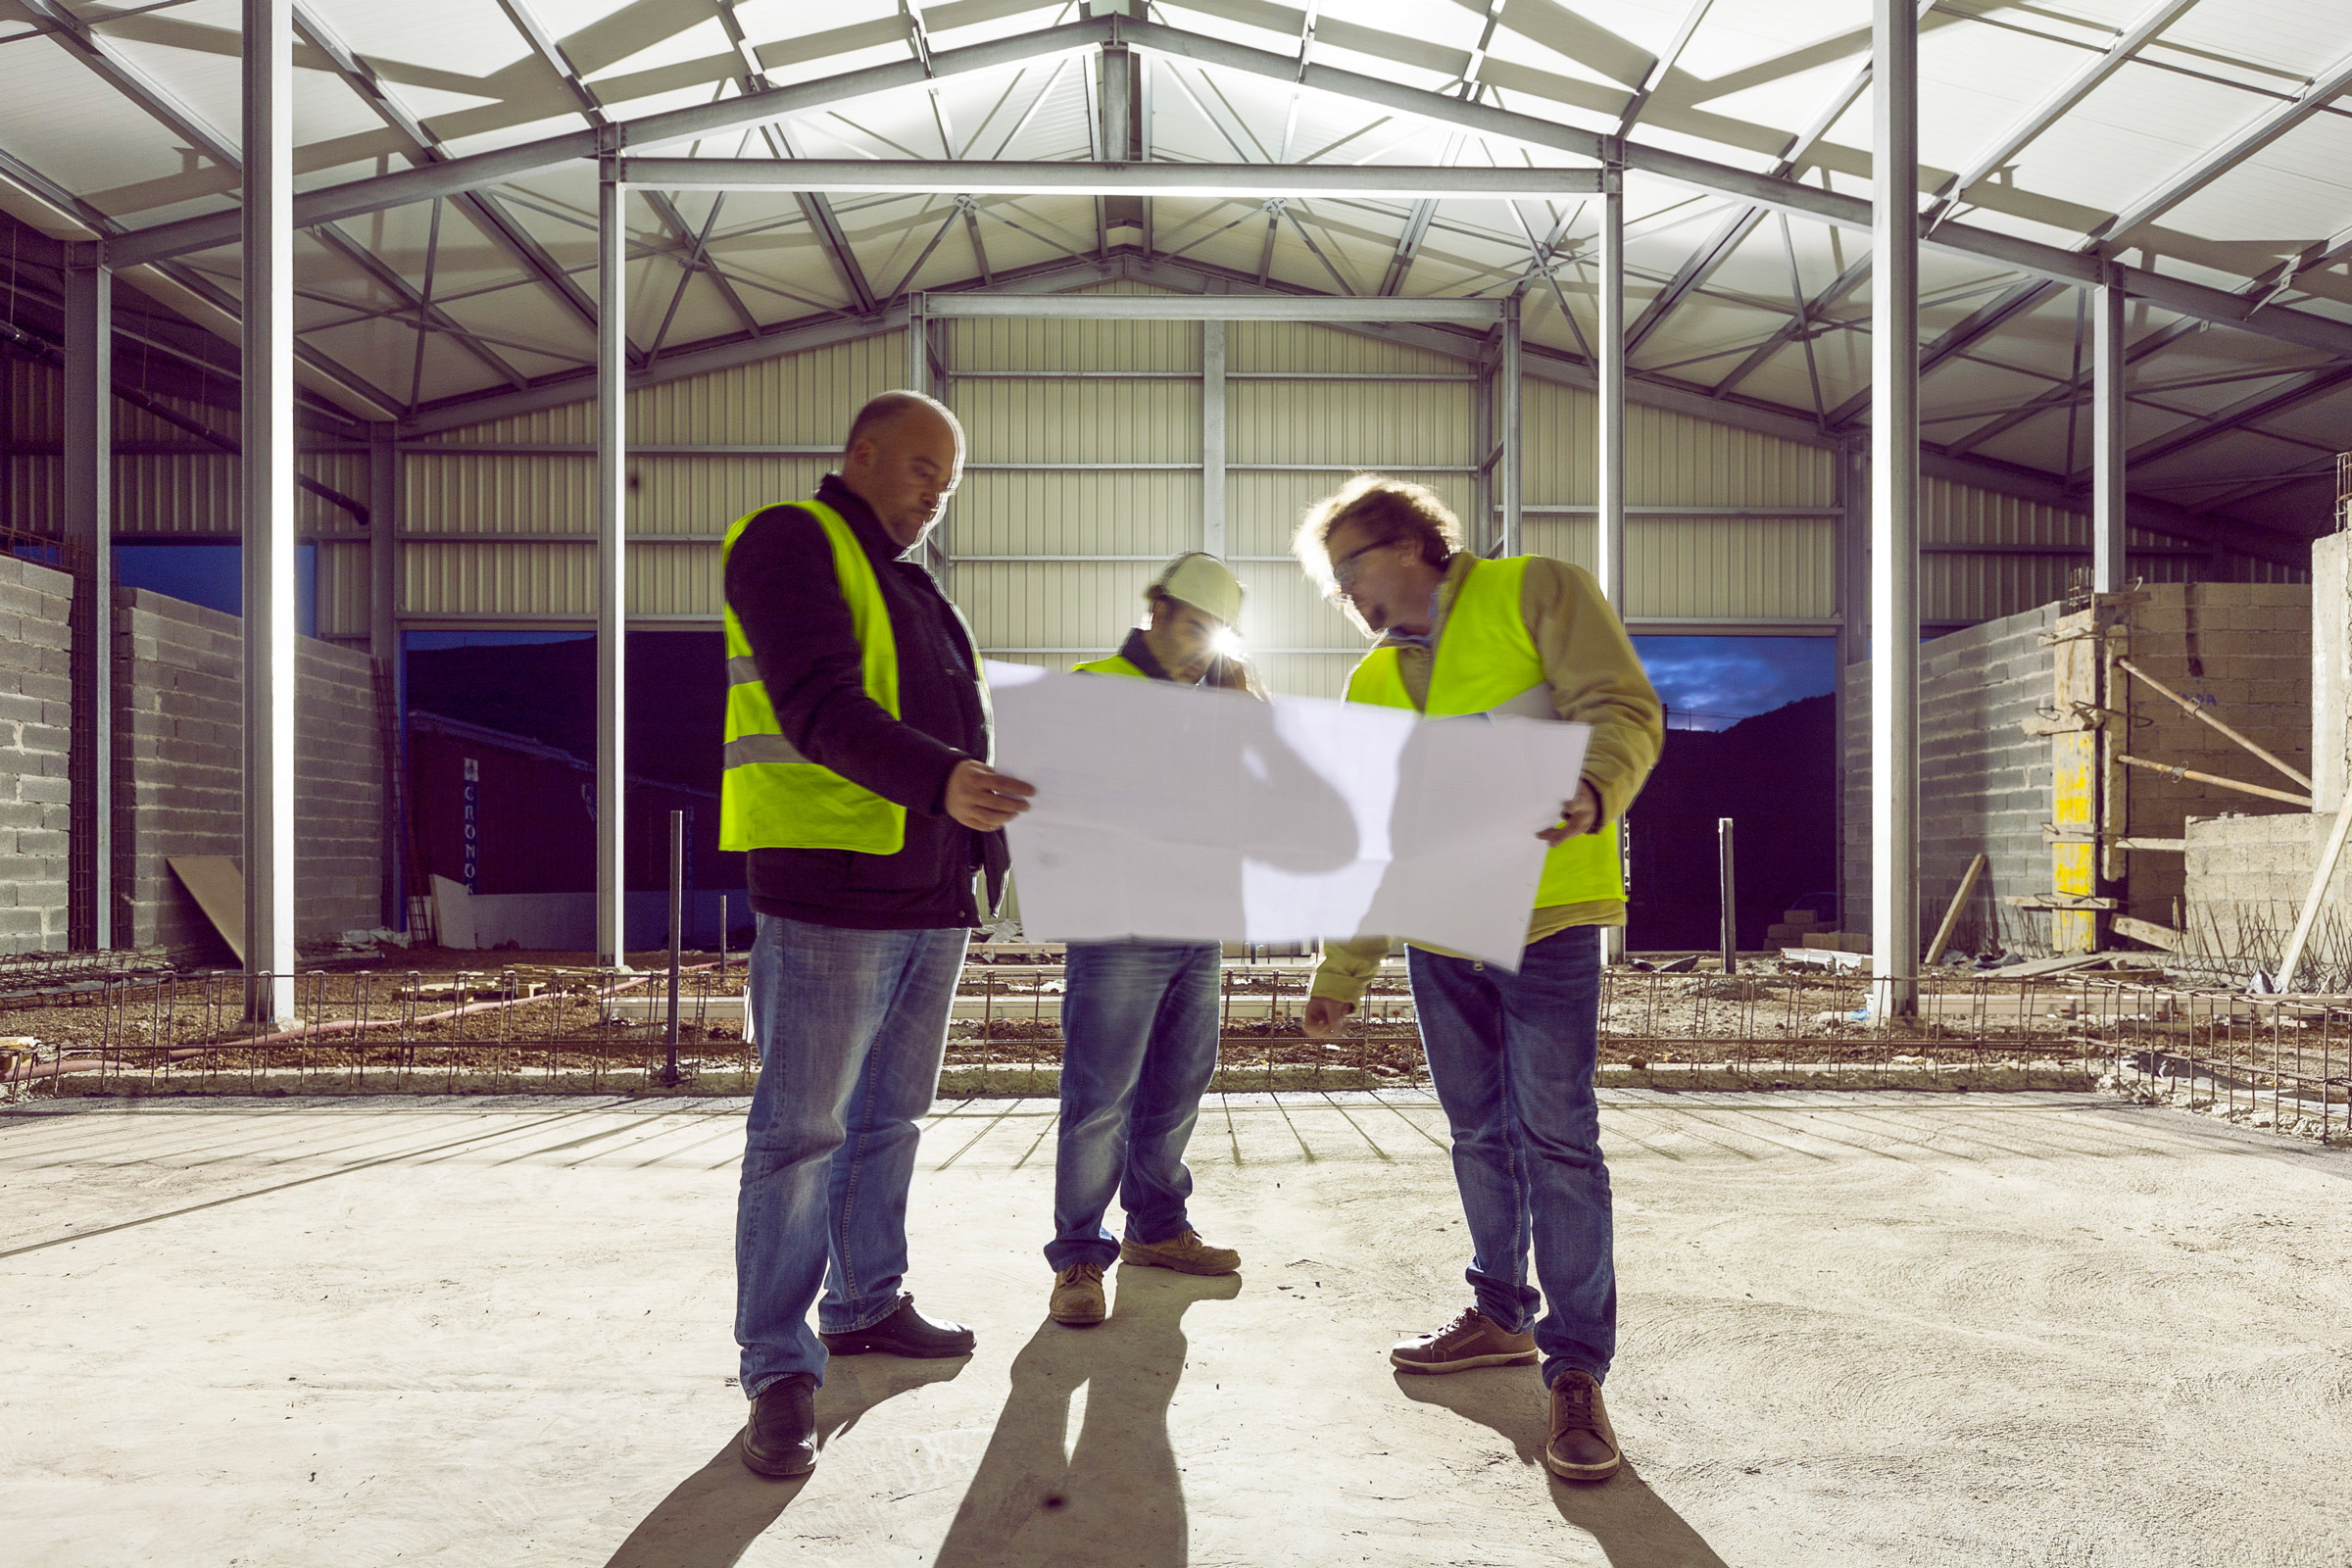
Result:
[{"x": 1202, "y": 581}]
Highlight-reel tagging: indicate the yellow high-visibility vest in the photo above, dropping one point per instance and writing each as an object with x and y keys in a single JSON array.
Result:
[
  {"x": 772, "y": 798},
  {"x": 1486, "y": 661},
  {"x": 1115, "y": 665}
]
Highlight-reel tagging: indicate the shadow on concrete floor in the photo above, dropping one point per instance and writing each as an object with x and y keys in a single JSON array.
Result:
[
  {"x": 710, "y": 1518},
  {"x": 1633, "y": 1525},
  {"x": 1116, "y": 1496}
]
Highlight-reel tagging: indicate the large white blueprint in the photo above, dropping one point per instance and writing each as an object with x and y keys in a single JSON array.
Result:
[{"x": 1181, "y": 814}]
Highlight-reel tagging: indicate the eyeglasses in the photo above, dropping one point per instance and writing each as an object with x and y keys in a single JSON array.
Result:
[{"x": 1344, "y": 569}]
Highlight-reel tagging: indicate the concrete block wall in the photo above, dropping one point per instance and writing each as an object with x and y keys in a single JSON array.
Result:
[
  {"x": 2247, "y": 877},
  {"x": 2245, "y": 652},
  {"x": 36, "y": 692},
  {"x": 179, "y": 774},
  {"x": 1985, "y": 784},
  {"x": 338, "y": 792},
  {"x": 2242, "y": 649},
  {"x": 180, "y": 766},
  {"x": 2331, "y": 669}
]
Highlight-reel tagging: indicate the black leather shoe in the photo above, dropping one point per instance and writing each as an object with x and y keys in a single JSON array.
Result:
[
  {"x": 904, "y": 1332},
  {"x": 779, "y": 1440}
]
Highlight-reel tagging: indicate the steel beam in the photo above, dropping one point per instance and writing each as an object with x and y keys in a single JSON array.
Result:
[
  {"x": 2109, "y": 399},
  {"x": 379, "y": 192},
  {"x": 1894, "y": 516},
  {"x": 1212, "y": 438},
  {"x": 2062, "y": 98},
  {"x": 1977, "y": 326},
  {"x": 1216, "y": 308},
  {"x": 2238, "y": 415},
  {"x": 1609, "y": 424},
  {"x": 611, "y": 576},
  {"x": 484, "y": 209},
  {"x": 1839, "y": 287},
  {"x": 266, "y": 439},
  {"x": 2322, "y": 90},
  {"x": 1776, "y": 192},
  {"x": 1663, "y": 65},
  {"x": 1110, "y": 178},
  {"x": 89, "y": 476}
]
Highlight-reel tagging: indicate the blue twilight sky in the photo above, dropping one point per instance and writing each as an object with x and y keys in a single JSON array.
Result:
[
  {"x": 1713, "y": 682},
  {"x": 214, "y": 575}
]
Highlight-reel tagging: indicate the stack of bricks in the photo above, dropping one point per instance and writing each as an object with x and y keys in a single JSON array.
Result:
[
  {"x": 1793, "y": 927},
  {"x": 36, "y": 690}
]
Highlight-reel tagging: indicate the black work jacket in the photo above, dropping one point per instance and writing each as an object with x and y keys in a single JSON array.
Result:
[{"x": 782, "y": 586}]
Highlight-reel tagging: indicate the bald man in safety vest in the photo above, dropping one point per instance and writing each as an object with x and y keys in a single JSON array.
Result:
[
  {"x": 1139, "y": 1019},
  {"x": 1511, "y": 1057},
  {"x": 857, "y": 781}
]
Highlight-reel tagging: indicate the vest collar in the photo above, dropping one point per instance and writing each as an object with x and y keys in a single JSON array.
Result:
[{"x": 876, "y": 540}]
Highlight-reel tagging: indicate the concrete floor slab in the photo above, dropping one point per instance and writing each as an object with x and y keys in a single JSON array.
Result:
[{"x": 1858, "y": 1329}]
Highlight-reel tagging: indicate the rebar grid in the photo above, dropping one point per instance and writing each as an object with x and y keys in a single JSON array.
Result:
[{"x": 2281, "y": 1059}]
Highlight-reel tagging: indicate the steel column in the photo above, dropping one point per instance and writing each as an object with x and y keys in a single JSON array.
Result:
[
  {"x": 383, "y": 638},
  {"x": 1212, "y": 438},
  {"x": 1508, "y": 377},
  {"x": 383, "y": 543},
  {"x": 267, "y": 440},
  {"x": 1482, "y": 483},
  {"x": 1609, "y": 425},
  {"x": 89, "y": 459},
  {"x": 1895, "y": 496},
  {"x": 612, "y": 559},
  {"x": 2109, "y": 389}
]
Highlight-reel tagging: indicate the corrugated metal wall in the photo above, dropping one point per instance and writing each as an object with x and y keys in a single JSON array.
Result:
[{"x": 1086, "y": 442}]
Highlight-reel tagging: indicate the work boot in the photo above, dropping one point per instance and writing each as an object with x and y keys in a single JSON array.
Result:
[
  {"x": 779, "y": 1440},
  {"x": 1582, "y": 1445},
  {"x": 1470, "y": 1339},
  {"x": 1078, "y": 1295},
  {"x": 1185, "y": 1253},
  {"x": 904, "y": 1332}
]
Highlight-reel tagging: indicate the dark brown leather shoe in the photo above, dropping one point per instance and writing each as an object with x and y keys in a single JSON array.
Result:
[
  {"x": 1470, "y": 1339},
  {"x": 779, "y": 1440},
  {"x": 904, "y": 1332},
  {"x": 1582, "y": 1445}
]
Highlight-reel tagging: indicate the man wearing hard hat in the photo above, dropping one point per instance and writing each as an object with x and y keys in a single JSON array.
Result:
[{"x": 1139, "y": 1019}]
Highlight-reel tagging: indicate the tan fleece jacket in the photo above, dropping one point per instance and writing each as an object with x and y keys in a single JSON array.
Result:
[{"x": 1596, "y": 679}]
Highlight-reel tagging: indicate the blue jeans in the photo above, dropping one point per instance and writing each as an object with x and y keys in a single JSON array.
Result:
[
  {"x": 852, "y": 1028},
  {"x": 1140, "y": 1022},
  {"x": 1512, "y": 1057}
]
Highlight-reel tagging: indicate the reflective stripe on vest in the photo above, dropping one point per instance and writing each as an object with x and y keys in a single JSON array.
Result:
[
  {"x": 1115, "y": 665},
  {"x": 772, "y": 798},
  {"x": 1486, "y": 662}
]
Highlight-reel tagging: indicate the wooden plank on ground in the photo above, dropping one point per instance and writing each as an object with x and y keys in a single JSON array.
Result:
[
  {"x": 2033, "y": 967},
  {"x": 2148, "y": 931},
  {"x": 218, "y": 888}
]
